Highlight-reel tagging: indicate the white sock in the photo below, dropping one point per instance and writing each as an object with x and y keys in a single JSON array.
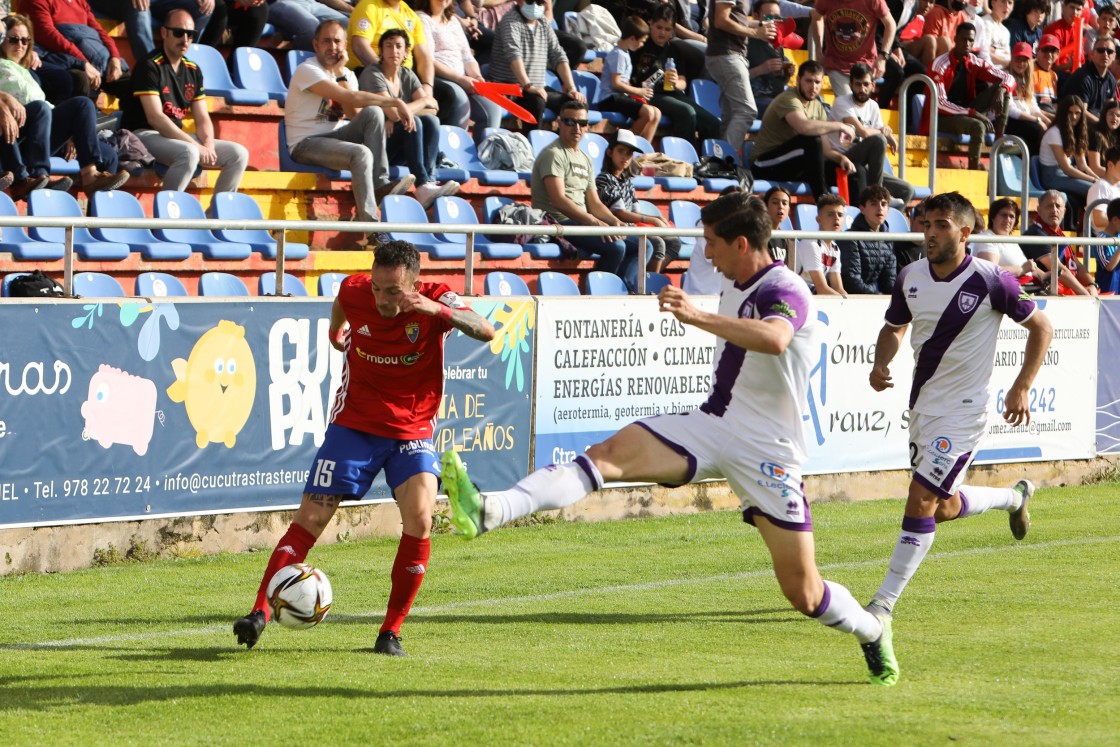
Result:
[
  {"x": 913, "y": 544},
  {"x": 840, "y": 610},
  {"x": 554, "y": 486},
  {"x": 975, "y": 500}
]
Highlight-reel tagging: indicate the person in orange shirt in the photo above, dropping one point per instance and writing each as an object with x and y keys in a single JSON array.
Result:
[
  {"x": 938, "y": 32},
  {"x": 1045, "y": 78}
]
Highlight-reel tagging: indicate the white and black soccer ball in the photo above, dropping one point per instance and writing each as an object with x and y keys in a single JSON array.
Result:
[{"x": 300, "y": 596}]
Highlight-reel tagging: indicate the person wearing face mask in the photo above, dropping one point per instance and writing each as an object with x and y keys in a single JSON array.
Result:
[{"x": 938, "y": 32}]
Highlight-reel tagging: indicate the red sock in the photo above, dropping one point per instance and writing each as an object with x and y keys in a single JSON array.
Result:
[
  {"x": 292, "y": 548},
  {"x": 408, "y": 574}
]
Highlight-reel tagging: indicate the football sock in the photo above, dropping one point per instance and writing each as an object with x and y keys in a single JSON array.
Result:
[
  {"x": 554, "y": 486},
  {"x": 840, "y": 610},
  {"x": 408, "y": 574},
  {"x": 976, "y": 500},
  {"x": 292, "y": 548},
  {"x": 913, "y": 544}
]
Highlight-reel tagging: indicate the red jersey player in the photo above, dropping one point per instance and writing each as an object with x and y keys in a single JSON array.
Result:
[{"x": 383, "y": 419}]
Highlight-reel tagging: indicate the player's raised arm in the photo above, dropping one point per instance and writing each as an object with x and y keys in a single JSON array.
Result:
[
  {"x": 1040, "y": 331},
  {"x": 887, "y": 346}
]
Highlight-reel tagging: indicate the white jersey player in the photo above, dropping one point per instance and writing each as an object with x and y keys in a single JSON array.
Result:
[
  {"x": 749, "y": 430},
  {"x": 954, "y": 304}
]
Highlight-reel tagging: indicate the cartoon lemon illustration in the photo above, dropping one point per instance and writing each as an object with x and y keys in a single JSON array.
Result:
[{"x": 217, "y": 384}]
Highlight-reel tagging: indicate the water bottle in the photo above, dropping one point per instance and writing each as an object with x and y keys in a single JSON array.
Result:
[
  {"x": 667, "y": 84},
  {"x": 654, "y": 78}
]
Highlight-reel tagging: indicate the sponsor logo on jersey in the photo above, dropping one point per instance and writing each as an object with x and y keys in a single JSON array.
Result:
[
  {"x": 938, "y": 472},
  {"x": 793, "y": 508},
  {"x": 784, "y": 309},
  {"x": 363, "y": 330},
  {"x": 364, "y": 24},
  {"x": 967, "y": 302},
  {"x": 942, "y": 445},
  {"x": 912, "y": 291},
  {"x": 412, "y": 331},
  {"x": 774, "y": 471},
  {"x": 389, "y": 360}
]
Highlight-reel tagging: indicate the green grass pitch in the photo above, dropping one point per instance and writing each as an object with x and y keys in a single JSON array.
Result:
[{"x": 637, "y": 632}]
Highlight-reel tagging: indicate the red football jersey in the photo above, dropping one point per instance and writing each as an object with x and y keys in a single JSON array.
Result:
[{"x": 393, "y": 378}]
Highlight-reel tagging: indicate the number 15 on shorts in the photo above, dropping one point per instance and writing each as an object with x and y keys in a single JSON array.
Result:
[{"x": 324, "y": 473}]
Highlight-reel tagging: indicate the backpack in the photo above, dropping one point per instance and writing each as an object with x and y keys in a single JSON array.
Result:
[
  {"x": 507, "y": 151},
  {"x": 34, "y": 285},
  {"x": 596, "y": 27},
  {"x": 714, "y": 167},
  {"x": 662, "y": 165},
  {"x": 520, "y": 214}
]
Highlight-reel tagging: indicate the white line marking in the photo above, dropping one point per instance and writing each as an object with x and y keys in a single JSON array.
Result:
[{"x": 562, "y": 594}]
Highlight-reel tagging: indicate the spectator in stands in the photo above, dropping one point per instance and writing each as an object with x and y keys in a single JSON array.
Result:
[
  {"x": 1073, "y": 278},
  {"x": 997, "y": 49},
  {"x": 688, "y": 53},
  {"x": 137, "y": 16},
  {"x": 868, "y": 151},
  {"x": 939, "y": 31},
  {"x": 620, "y": 92},
  {"x": 372, "y": 18},
  {"x": 1027, "y": 23},
  {"x": 868, "y": 266},
  {"x": 416, "y": 147},
  {"x": 1062, "y": 156},
  {"x": 847, "y": 29},
  {"x": 524, "y": 48},
  {"x": 900, "y": 64},
  {"x": 575, "y": 48},
  {"x": 72, "y": 123},
  {"x": 244, "y": 20},
  {"x": 731, "y": 26},
  {"x": 479, "y": 19},
  {"x": 615, "y": 188},
  {"x": 1066, "y": 33},
  {"x": 24, "y": 147},
  {"x": 331, "y": 123},
  {"x": 777, "y": 201},
  {"x": 1003, "y": 218},
  {"x": 770, "y": 68},
  {"x": 1106, "y": 188},
  {"x": 1093, "y": 81},
  {"x": 298, "y": 19},
  {"x": 790, "y": 145},
  {"x": 68, "y": 27},
  {"x": 818, "y": 260},
  {"x": 456, "y": 70},
  {"x": 1107, "y": 21},
  {"x": 563, "y": 186},
  {"x": 1107, "y": 274},
  {"x": 1045, "y": 77},
  {"x": 687, "y": 119},
  {"x": 1102, "y": 136},
  {"x": 972, "y": 95},
  {"x": 1025, "y": 118},
  {"x": 167, "y": 87}
]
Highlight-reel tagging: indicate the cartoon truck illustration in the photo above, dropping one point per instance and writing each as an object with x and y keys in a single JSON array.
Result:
[
  {"x": 120, "y": 409},
  {"x": 217, "y": 384}
]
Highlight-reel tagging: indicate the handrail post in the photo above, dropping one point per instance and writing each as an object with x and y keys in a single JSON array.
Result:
[
  {"x": 1012, "y": 142},
  {"x": 68, "y": 262},
  {"x": 931, "y": 104},
  {"x": 468, "y": 267},
  {"x": 642, "y": 263},
  {"x": 281, "y": 242}
]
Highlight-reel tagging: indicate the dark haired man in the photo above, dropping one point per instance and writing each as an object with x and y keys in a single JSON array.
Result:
[
  {"x": 391, "y": 328},
  {"x": 749, "y": 431}
]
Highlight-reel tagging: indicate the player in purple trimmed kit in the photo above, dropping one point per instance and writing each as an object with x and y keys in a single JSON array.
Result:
[
  {"x": 749, "y": 430},
  {"x": 955, "y": 303}
]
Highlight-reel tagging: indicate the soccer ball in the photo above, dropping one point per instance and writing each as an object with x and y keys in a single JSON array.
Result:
[{"x": 300, "y": 596}]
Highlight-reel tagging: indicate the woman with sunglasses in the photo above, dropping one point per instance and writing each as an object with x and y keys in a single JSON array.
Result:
[{"x": 72, "y": 130}]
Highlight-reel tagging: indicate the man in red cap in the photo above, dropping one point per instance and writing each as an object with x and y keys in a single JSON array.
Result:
[
  {"x": 1045, "y": 77},
  {"x": 1025, "y": 118}
]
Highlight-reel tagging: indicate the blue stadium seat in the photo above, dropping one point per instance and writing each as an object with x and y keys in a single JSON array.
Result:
[
  {"x": 117, "y": 204},
  {"x": 536, "y": 250},
  {"x": 716, "y": 149},
  {"x": 22, "y": 247},
  {"x": 551, "y": 283},
  {"x": 221, "y": 284},
  {"x": 294, "y": 59},
  {"x": 540, "y": 139},
  {"x": 682, "y": 150},
  {"x": 8, "y": 280},
  {"x": 159, "y": 285},
  {"x": 218, "y": 81},
  {"x": 719, "y": 149},
  {"x": 595, "y": 146},
  {"x": 505, "y": 284},
  {"x": 457, "y": 145},
  {"x": 184, "y": 206},
  {"x": 655, "y": 281},
  {"x": 599, "y": 283},
  {"x": 97, "y": 284},
  {"x": 1009, "y": 177},
  {"x": 552, "y": 81},
  {"x": 805, "y": 215},
  {"x": 233, "y": 207},
  {"x": 61, "y": 167},
  {"x": 256, "y": 70},
  {"x": 685, "y": 214},
  {"x": 896, "y": 221},
  {"x": 293, "y": 286},
  {"x": 287, "y": 164},
  {"x": 706, "y": 94},
  {"x": 457, "y": 211},
  {"x": 405, "y": 209},
  {"x": 329, "y": 283},
  {"x": 54, "y": 204}
]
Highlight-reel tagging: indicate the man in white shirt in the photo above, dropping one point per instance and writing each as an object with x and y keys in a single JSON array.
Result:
[
  {"x": 818, "y": 261},
  {"x": 1106, "y": 188},
  {"x": 873, "y": 136},
  {"x": 331, "y": 123}
]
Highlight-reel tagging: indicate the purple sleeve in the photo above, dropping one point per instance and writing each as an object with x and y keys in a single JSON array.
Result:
[
  {"x": 782, "y": 300},
  {"x": 898, "y": 313},
  {"x": 1008, "y": 297}
]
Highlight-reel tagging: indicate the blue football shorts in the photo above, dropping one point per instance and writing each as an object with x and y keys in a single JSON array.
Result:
[{"x": 349, "y": 460}]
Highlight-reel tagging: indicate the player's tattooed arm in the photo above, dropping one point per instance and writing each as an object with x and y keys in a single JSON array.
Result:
[{"x": 472, "y": 325}]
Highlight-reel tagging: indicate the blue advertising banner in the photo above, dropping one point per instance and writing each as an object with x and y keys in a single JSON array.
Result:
[
  {"x": 126, "y": 410},
  {"x": 1108, "y": 378}
]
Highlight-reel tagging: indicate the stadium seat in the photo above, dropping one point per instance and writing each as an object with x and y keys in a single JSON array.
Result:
[
  {"x": 62, "y": 167},
  {"x": 457, "y": 211},
  {"x": 551, "y": 80},
  {"x": 54, "y": 204},
  {"x": 719, "y": 149},
  {"x": 540, "y": 139},
  {"x": 595, "y": 146},
  {"x": 159, "y": 285},
  {"x": 256, "y": 70},
  {"x": 405, "y": 209},
  {"x": 682, "y": 150},
  {"x": 706, "y": 94},
  {"x": 293, "y": 286},
  {"x": 8, "y": 280},
  {"x": 184, "y": 206},
  {"x": 1009, "y": 177},
  {"x": 294, "y": 59},
  {"x": 117, "y": 204},
  {"x": 329, "y": 283},
  {"x": 221, "y": 284},
  {"x": 218, "y": 81},
  {"x": 685, "y": 214},
  {"x": 22, "y": 247},
  {"x": 505, "y": 284},
  {"x": 896, "y": 221},
  {"x": 287, "y": 164},
  {"x": 97, "y": 284},
  {"x": 599, "y": 283},
  {"x": 541, "y": 249},
  {"x": 457, "y": 145},
  {"x": 233, "y": 207},
  {"x": 655, "y": 281},
  {"x": 556, "y": 284}
]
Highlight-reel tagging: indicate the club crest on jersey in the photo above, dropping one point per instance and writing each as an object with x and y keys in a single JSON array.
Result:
[
  {"x": 412, "y": 331},
  {"x": 967, "y": 302}
]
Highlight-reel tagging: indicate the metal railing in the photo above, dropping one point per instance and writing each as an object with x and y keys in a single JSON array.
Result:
[
  {"x": 931, "y": 105},
  {"x": 1012, "y": 142}
]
